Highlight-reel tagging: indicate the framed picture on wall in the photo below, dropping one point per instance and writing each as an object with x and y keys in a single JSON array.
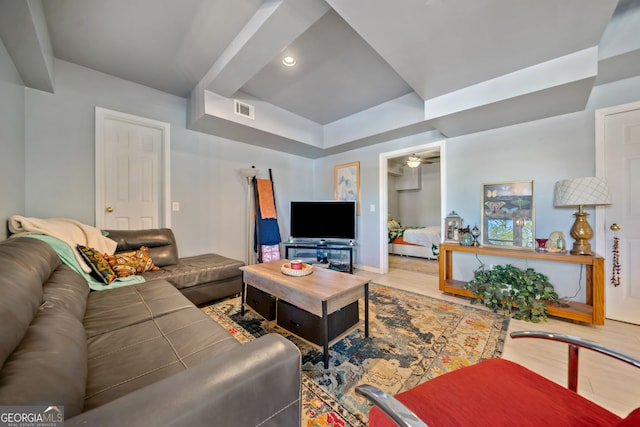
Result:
[
  {"x": 346, "y": 183},
  {"x": 507, "y": 214}
]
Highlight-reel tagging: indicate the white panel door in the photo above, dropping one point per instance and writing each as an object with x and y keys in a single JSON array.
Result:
[
  {"x": 130, "y": 190},
  {"x": 621, "y": 133}
]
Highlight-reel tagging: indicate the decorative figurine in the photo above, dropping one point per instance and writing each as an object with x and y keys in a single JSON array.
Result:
[
  {"x": 465, "y": 236},
  {"x": 556, "y": 242},
  {"x": 475, "y": 233}
]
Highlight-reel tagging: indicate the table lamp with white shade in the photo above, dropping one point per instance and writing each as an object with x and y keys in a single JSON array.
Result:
[{"x": 580, "y": 192}]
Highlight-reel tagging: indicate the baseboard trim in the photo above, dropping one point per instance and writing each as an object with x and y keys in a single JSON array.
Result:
[{"x": 370, "y": 269}]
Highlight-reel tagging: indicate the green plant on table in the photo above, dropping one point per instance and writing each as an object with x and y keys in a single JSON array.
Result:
[{"x": 521, "y": 293}]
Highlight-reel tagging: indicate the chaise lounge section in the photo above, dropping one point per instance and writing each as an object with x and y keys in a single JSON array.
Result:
[{"x": 200, "y": 278}]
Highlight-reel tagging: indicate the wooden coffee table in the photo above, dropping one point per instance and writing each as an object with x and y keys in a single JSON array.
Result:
[{"x": 320, "y": 293}]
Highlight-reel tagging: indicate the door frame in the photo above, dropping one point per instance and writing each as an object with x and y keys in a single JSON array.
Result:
[
  {"x": 601, "y": 115},
  {"x": 103, "y": 114},
  {"x": 384, "y": 191},
  {"x": 601, "y": 170}
]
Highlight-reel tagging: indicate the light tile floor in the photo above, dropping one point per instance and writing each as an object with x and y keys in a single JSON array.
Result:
[{"x": 609, "y": 383}]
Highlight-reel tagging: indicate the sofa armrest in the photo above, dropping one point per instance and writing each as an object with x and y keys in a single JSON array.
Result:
[{"x": 258, "y": 383}]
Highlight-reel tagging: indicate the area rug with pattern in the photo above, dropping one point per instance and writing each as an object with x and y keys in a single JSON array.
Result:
[{"x": 412, "y": 338}]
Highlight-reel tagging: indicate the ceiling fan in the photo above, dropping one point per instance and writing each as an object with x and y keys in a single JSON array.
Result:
[{"x": 413, "y": 161}]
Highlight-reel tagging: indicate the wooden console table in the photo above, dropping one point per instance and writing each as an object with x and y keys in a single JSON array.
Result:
[{"x": 590, "y": 312}]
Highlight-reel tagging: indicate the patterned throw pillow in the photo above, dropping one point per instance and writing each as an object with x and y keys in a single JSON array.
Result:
[
  {"x": 126, "y": 264},
  {"x": 99, "y": 265}
]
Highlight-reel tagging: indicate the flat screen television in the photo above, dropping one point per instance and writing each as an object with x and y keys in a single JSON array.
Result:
[{"x": 323, "y": 220}]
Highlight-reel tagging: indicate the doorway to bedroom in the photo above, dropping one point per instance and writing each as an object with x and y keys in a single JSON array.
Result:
[{"x": 412, "y": 192}]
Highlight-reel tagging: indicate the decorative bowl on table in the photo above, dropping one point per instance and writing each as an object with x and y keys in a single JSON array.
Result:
[{"x": 304, "y": 271}]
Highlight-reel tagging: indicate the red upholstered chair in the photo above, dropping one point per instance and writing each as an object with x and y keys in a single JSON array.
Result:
[{"x": 497, "y": 392}]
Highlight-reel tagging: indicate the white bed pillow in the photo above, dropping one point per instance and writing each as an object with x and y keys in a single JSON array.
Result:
[{"x": 392, "y": 223}]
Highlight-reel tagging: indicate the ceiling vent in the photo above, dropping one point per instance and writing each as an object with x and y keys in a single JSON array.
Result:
[{"x": 244, "y": 109}]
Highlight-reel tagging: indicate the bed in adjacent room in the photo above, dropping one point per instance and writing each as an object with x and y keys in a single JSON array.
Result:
[{"x": 420, "y": 242}]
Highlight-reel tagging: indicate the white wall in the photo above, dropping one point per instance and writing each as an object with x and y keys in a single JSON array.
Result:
[
  {"x": 421, "y": 208},
  {"x": 12, "y": 166},
  {"x": 546, "y": 151},
  {"x": 393, "y": 198},
  {"x": 204, "y": 168},
  {"x": 59, "y": 135}
]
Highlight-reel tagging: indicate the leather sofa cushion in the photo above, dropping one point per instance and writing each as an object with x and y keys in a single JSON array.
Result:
[
  {"x": 121, "y": 307},
  {"x": 25, "y": 264},
  {"x": 196, "y": 270},
  {"x": 128, "y": 351},
  {"x": 160, "y": 241},
  {"x": 50, "y": 363}
]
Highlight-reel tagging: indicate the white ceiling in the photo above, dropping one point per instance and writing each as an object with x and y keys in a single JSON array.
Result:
[{"x": 458, "y": 66}]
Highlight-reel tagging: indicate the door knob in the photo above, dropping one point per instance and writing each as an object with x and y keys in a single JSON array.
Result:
[
  {"x": 615, "y": 227},
  {"x": 109, "y": 209}
]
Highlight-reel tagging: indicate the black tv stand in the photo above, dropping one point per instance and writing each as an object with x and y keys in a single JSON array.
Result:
[{"x": 323, "y": 253}]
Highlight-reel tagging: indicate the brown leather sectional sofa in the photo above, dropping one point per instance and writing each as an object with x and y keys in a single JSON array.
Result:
[{"x": 136, "y": 355}]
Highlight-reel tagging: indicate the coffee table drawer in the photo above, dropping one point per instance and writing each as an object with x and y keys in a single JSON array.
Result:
[
  {"x": 263, "y": 303},
  {"x": 309, "y": 326}
]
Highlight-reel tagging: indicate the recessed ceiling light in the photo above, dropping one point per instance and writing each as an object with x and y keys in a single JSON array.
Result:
[{"x": 289, "y": 61}]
